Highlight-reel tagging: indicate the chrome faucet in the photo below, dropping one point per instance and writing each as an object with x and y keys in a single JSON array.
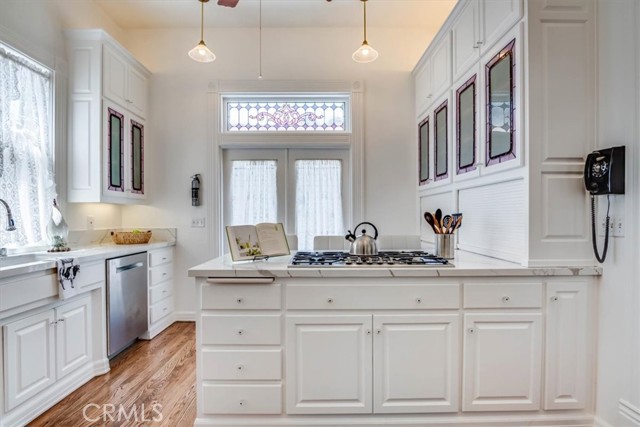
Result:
[{"x": 11, "y": 225}]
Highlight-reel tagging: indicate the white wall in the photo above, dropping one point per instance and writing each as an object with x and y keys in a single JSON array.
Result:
[
  {"x": 36, "y": 28},
  {"x": 619, "y": 317},
  {"x": 177, "y": 136}
]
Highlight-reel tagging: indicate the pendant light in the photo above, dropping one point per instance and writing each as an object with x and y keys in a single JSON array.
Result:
[
  {"x": 365, "y": 53},
  {"x": 201, "y": 52}
]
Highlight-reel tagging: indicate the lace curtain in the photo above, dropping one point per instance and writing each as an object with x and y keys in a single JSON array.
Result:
[
  {"x": 254, "y": 192},
  {"x": 26, "y": 162},
  {"x": 318, "y": 200}
]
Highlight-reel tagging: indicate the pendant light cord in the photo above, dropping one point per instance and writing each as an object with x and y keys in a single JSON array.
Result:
[
  {"x": 201, "y": 21},
  {"x": 365, "y": 20},
  {"x": 260, "y": 75}
]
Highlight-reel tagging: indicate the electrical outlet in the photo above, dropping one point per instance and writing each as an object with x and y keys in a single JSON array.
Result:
[
  {"x": 197, "y": 222},
  {"x": 618, "y": 227},
  {"x": 602, "y": 227},
  {"x": 91, "y": 222}
]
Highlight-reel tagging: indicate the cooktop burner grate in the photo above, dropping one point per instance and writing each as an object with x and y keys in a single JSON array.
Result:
[{"x": 383, "y": 259}]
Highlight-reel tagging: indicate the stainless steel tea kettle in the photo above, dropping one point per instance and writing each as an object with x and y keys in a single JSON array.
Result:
[{"x": 363, "y": 244}]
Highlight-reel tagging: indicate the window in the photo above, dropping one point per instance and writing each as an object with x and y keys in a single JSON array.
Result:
[
  {"x": 311, "y": 202},
  {"x": 277, "y": 114},
  {"x": 26, "y": 158}
]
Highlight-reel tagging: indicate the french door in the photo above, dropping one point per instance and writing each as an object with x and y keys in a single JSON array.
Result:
[{"x": 308, "y": 190}]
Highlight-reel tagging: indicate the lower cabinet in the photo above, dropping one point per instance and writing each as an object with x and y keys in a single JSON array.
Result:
[
  {"x": 502, "y": 362},
  {"x": 161, "y": 305},
  {"x": 43, "y": 348},
  {"x": 405, "y": 363}
]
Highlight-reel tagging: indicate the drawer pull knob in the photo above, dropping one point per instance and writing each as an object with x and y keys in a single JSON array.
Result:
[
  {"x": 378, "y": 331},
  {"x": 471, "y": 330},
  {"x": 53, "y": 323},
  {"x": 368, "y": 331},
  {"x": 506, "y": 299},
  {"x": 240, "y": 332},
  {"x": 418, "y": 300},
  {"x": 554, "y": 298},
  {"x": 164, "y": 258},
  {"x": 241, "y": 403},
  {"x": 60, "y": 320},
  {"x": 330, "y": 300},
  {"x": 240, "y": 300},
  {"x": 164, "y": 274},
  {"x": 240, "y": 368}
]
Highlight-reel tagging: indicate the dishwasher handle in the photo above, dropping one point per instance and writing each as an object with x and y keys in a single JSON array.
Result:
[{"x": 129, "y": 267}]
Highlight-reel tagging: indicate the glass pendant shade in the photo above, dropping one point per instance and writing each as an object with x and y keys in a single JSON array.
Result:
[
  {"x": 201, "y": 53},
  {"x": 365, "y": 53}
]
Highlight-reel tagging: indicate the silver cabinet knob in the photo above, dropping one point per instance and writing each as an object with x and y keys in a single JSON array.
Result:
[
  {"x": 368, "y": 331},
  {"x": 240, "y": 332},
  {"x": 419, "y": 300},
  {"x": 240, "y": 300},
  {"x": 60, "y": 320},
  {"x": 330, "y": 300},
  {"x": 554, "y": 298},
  {"x": 53, "y": 323},
  {"x": 506, "y": 299},
  {"x": 471, "y": 330},
  {"x": 242, "y": 403},
  {"x": 378, "y": 331},
  {"x": 240, "y": 367}
]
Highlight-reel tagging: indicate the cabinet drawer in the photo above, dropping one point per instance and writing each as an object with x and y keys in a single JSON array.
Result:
[
  {"x": 241, "y": 329},
  {"x": 504, "y": 295},
  {"x": 25, "y": 290},
  {"x": 241, "y": 364},
  {"x": 161, "y": 310},
  {"x": 91, "y": 274},
  {"x": 373, "y": 297},
  {"x": 159, "y": 274},
  {"x": 161, "y": 256},
  {"x": 242, "y": 399},
  {"x": 160, "y": 292},
  {"x": 242, "y": 297}
]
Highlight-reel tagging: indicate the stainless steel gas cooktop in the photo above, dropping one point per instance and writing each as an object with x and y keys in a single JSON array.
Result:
[{"x": 383, "y": 259}]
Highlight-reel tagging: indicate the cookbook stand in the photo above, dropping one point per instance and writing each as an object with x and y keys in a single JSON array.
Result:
[{"x": 260, "y": 258}]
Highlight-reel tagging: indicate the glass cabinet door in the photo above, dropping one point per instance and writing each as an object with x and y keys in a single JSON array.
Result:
[
  {"x": 115, "y": 145},
  {"x": 423, "y": 149},
  {"x": 441, "y": 142},
  {"x": 137, "y": 157},
  {"x": 466, "y": 126}
]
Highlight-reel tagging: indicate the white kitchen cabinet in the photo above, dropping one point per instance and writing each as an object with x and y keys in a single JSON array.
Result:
[
  {"x": 416, "y": 363},
  {"x": 107, "y": 108},
  {"x": 160, "y": 285},
  {"x": 441, "y": 67},
  {"x": 479, "y": 25},
  {"x": 329, "y": 366},
  {"x": 502, "y": 362},
  {"x": 123, "y": 83},
  {"x": 567, "y": 374},
  {"x": 424, "y": 95},
  {"x": 73, "y": 336},
  {"x": 29, "y": 352}
]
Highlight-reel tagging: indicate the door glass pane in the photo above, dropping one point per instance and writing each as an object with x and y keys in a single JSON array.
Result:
[
  {"x": 424, "y": 151},
  {"x": 137, "y": 165},
  {"x": 115, "y": 150},
  {"x": 254, "y": 192},
  {"x": 318, "y": 200},
  {"x": 441, "y": 141},
  {"x": 466, "y": 127}
]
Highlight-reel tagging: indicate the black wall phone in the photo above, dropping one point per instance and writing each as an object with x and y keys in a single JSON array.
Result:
[{"x": 604, "y": 175}]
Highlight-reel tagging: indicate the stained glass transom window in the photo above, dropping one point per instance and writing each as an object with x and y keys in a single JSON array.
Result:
[{"x": 286, "y": 116}]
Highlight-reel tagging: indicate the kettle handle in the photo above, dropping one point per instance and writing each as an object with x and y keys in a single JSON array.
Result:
[{"x": 363, "y": 223}]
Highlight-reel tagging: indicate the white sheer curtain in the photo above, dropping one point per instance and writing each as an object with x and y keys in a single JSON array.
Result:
[
  {"x": 318, "y": 200},
  {"x": 26, "y": 162},
  {"x": 254, "y": 192}
]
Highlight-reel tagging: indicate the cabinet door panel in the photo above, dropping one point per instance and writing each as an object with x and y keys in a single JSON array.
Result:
[
  {"x": 136, "y": 158},
  {"x": 441, "y": 67},
  {"x": 329, "y": 365},
  {"x": 567, "y": 346},
  {"x": 114, "y": 79},
  {"x": 29, "y": 357},
  {"x": 137, "y": 92},
  {"x": 73, "y": 340},
  {"x": 416, "y": 363},
  {"x": 498, "y": 16},
  {"x": 465, "y": 34},
  {"x": 502, "y": 362}
]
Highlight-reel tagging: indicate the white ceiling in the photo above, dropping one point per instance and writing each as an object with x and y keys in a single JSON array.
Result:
[{"x": 144, "y": 14}]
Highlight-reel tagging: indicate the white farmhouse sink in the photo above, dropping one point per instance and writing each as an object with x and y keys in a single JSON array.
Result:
[{"x": 15, "y": 261}]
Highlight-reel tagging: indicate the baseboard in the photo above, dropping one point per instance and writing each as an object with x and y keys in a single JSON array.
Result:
[
  {"x": 36, "y": 406},
  {"x": 599, "y": 422},
  {"x": 629, "y": 411},
  {"x": 184, "y": 316}
]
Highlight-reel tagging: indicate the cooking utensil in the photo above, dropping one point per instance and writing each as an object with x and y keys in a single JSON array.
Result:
[
  {"x": 447, "y": 224},
  {"x": 438, "y": 217},
  {"x": 363, "y": 244},
  {"x": 457, "y": 223},
  {"x": 428, "y": 216}
]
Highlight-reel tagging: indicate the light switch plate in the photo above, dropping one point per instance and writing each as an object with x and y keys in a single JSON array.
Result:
[
  {"x": 197, "y": 223},
  {"x": 618, "y": 227}
]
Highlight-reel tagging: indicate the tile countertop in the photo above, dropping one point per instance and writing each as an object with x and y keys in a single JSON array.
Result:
[
  {"x": 465, "y": 265},
  {"x": 85, "y": 252}
]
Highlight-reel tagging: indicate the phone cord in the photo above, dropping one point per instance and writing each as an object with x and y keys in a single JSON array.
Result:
[{"x": 606, "y": 230}]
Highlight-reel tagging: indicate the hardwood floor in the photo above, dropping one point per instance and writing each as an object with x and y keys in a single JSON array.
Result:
[{"x": 150, "y": 384}]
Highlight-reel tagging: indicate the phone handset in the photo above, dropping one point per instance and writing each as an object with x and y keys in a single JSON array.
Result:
[{"x": 604, "y": 172}]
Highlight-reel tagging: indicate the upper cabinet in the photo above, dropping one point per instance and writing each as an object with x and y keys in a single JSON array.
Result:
[
  {"x": 480, "y": 24},
  {"x": 107, "y": 112}
]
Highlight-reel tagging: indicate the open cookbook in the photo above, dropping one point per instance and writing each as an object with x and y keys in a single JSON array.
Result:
[{"x": 247, "y": 242}]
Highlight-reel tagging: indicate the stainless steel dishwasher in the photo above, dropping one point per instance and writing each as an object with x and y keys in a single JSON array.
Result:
[{"x": 126, "y": 301}]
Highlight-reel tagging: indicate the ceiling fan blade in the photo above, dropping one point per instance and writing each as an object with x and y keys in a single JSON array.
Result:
[{"x": 228, "y": 3}]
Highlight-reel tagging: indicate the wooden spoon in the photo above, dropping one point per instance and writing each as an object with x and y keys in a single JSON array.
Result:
[
  {"x": 428, "y": 216},
  {"x": 438, "y": 218}
]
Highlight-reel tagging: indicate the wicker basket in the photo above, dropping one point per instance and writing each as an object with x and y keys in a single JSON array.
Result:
[{"x": 130, "y": 238}]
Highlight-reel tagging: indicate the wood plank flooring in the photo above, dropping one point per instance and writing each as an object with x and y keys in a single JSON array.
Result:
[{"x": 157, "y": 372}]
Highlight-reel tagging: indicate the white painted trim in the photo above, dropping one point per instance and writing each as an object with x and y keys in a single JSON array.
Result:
[
  {"x": 184, "y": 316},
  {"x": 629, "y": 411}
]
